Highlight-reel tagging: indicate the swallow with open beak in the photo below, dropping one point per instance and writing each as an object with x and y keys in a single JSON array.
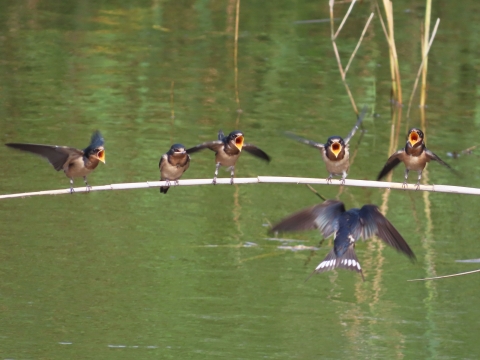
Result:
[
  {"x": 172, "y": 165},
  {"x": 414, "y": 155},
  {"x": 74, "y": 162},
  {"x": 330, "y": 217},
  {"x": 335, "y": 151},
  {"x": 227, "y": 151}
]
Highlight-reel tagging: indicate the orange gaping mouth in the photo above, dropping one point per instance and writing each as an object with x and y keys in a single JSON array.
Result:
[
  {"x": 413, "y": 138},
  {"x": 336, "y": 148},
  {"x": 101, "y": 156},
  {"x": 239, "y": 142}
]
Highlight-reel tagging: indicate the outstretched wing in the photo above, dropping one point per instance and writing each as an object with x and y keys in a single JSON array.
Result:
[
  {"x": 255, "y": 151},
  {"x": 374, "y": 223},
  {"x": 56, "y": 155},
  {"x": 304, "y": 141},
  {"x": 322, "y": 216},
  {"x": 212, "y": 145},
  {"x": 433, "y": 156},
  {"x": 392, "y": 161},
  {"x": 357, "y": 125}
]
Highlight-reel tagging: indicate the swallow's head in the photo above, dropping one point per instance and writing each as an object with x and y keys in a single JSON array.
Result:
[
  {"x": 96, "y": 149},
  {"x": 335, "y": 145},
  {"x": 236, "y": 138},
  {"x": 415, "y": 137},
  {"x": 177, "y": 149}
]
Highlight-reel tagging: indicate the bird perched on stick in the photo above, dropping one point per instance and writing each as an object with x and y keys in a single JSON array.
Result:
[
  {"x": 227, "y": 151},
  {"x": 330, "y": 217},
  {"x": 172, "y": 165},
  {"x": 335, "y": 152},
  {"x": 414, "y": 155},
  {"x": 74, "y": 162}
]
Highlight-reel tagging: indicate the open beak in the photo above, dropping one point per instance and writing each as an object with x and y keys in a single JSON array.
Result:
[
  {"x": 413, "y": 138},
  {"x": 239, "y": 142},
  {"x": 101, "y": 156},
  {"x": 336, "y": 148}
]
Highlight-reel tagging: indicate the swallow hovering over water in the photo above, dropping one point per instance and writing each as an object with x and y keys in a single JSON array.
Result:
[
  {"x": 172, "y": 165},
  {"x": 74, "y": 162},
  {"x": 330, "y": 217},
  {"x": 227, "y": 150},
  {"x": 414, "y": 155},
  {"x": 334, "y": 152}
]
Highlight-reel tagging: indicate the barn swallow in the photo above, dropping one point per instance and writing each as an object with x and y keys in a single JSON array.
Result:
[
  {"x": 414, "y": 155},
  {"x": 334, "y": 152},
  {"x": 227, "y": 150},
  {"x": 74, "y": 162},
  {"x": 330, "y": 218},
  {"x": 172, "y": 165}
]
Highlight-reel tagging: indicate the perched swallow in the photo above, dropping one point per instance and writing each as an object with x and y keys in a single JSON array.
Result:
[
  {"x": 415, "y": 156},
  {"x": 334, "y": 152},
  {"x": 172, "y": 165},
  {"x": 227, "y": 150},
  {"x": 330, "y": 218},
  {"x": 74, "y": 162}
]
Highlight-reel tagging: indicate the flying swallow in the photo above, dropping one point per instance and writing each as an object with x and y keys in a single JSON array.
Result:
[
  {"x": 227, "y": 151},
  {"x": 330, "y": 217},
  {"x": 74, "y": 162},
  {"x": 414, "y": 155},
  {"x": 172, "y": 165},
  {"x": 335, "y": 151}
]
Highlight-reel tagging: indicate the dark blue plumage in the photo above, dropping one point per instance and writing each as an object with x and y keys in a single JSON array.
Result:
[{"x": 331, "y": 218}]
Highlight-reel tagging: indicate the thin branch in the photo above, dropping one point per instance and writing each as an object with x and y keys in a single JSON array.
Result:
[
  {"x": 344, "y": 19},
  {"x": 425, "y": 57},
  {"x": 359, "y": 42},
  {"x": 259, "y": 179},
  {"x": 447, "y": 276}
]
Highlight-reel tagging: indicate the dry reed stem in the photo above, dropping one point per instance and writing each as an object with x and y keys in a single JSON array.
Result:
[
  {"x": 428, "y": 15},
  {"x": 358, "y": 43},
  {"x": 422, "y": 66},
  {"x": 235, "y": 53},
  {"x": 447, "y": 276},
  {"x": 344, "y": 18}
]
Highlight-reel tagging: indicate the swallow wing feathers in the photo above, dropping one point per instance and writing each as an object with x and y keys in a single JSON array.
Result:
[
  {"x": 433, "y": 156},
  {"x": 221, "y": 135},
  {"x": 392, "y": 161},
  {"x": 212, "y": 145},
  {"x": 374, "y": 223},
  {"x": 255, "y": 151},
  {"x": 56, "y": 155},
  {"x": 304, "y": 141},
  {"x": 357, "y": 125},
  {"x": 322, "y": 216}
]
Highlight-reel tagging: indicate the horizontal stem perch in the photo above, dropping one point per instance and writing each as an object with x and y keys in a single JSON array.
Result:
[{"x": 259, "y": 179}]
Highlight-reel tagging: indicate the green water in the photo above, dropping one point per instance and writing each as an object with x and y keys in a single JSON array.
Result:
[{"x": 192, "y": 274}]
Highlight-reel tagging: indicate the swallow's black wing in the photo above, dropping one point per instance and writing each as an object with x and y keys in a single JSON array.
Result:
[
  {"x": 221, "y": 135},
  {"x": 212, "y": 145},
  {"x": 374, "y": 223},
  {"x": 323, "y": 216},
  {"x": 255, "y": 151},
  {"x": 56, "y": 155},
  {"x": 357, "y": 125},
  {"x": 433, "y": 156},
  {"x": 304, "y": 141},
  {"x": 392, "y": 161}
]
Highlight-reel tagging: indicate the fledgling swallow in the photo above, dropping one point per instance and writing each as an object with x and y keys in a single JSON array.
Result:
[
  {"x": 330, "y": 218},
  {"x": 74, "y": 162},
  {"x": 335, "y": 151},
  {"x": 172, "y": 165},
  {"x": 414, "y": 155},
  {"x": 227, "y": 151}
]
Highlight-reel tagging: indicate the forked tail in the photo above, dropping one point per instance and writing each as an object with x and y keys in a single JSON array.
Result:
[{"x": 347, "y": 261}]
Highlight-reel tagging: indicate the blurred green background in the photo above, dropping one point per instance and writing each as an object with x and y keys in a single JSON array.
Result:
[{"x": 191, "y": 274}]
